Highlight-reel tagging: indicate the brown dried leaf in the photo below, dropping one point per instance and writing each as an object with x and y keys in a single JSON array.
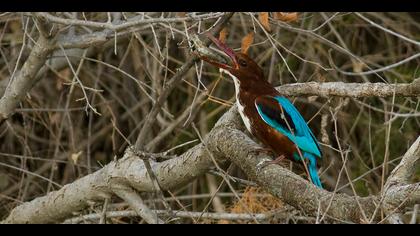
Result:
[
  {"x": 255, "y": 200},
  {"x": 180, "y": 14},
  {"x": 263, "y": 18},
  {"x": 285, "y": 16},
  {"x": 246, "y": 42},
  {"x": 223, "y": 34}
]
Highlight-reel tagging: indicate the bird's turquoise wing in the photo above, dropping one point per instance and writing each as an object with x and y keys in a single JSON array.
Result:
[{"x": 279, "y": 113}]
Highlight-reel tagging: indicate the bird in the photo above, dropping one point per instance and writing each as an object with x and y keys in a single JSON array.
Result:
[{"x": 266, "y": 114}]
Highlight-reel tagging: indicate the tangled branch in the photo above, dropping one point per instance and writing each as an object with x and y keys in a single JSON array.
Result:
[{"x": 225, "y": 141}]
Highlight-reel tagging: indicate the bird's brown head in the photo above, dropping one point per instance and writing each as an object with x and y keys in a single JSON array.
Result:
[{"x": 240, "y": 65}]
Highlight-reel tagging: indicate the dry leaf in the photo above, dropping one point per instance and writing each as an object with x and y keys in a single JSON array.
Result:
[
  {"x": 285, "y": 16},
  {"x": 181, "y": 14},
  {"x": 246, "y": 42},
  {"x": 75, "y": 157},
  {"x": 222, "y": 35},
  {"x": 263, "y": 18},
  {"x": 254, "y": 200}
]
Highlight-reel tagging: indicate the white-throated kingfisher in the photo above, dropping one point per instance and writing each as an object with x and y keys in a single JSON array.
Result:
[{"x": 267, "y": 115}]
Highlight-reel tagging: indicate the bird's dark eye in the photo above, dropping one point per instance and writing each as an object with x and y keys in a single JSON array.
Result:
[{"x": 242, "y": 62}]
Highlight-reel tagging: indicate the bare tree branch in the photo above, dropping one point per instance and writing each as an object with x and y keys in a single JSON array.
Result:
[
  {"x": 185, "y": 214},
  {"x": 172, "y": 83},
  {"x": 59, "y": 205},
  {"x": 124, "y": 25},
  {"x": 356, "y": 90},
  {"x": 225, "y": 140},
  {"x": 407, "y": 167},
  {"x": 38, "y": 63},
  {"x": 24, "y": 80},
  {"x": 151, "y": 117},
  {"x": 135, "y": 201},
  {"x": 399, "y": 193}
]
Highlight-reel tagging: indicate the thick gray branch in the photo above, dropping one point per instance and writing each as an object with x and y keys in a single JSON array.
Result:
[
  {"x": 356, "y": 90},
  {"x": 36, "y": 65},
  {"x": 328, "y": 89},
  {"x": 400, "y": 196},
  {"x": 59, "y": 205},
  {"x": 136, "y": 202},
  {"x": 185, "y": 214},
  {"x": 225, "y": 140},
  {"x": 405, "y": 170},
  {"x": 25, "y": 78},
  {"x": 399, "y": 193},
  {"x": 285, "y": 184}
]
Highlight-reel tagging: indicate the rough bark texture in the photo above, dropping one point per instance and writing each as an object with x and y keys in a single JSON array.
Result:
[
  {"x": 399, "y": 193},
  {"x": 356, "y": 90},
  {"x": 225, "y": 140},
  {"x": 130, "y": 170}
]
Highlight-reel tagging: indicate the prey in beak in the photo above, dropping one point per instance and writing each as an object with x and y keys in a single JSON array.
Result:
[
  {"x": 238, "y": 65},
  {"x": 210, "y": 56}
]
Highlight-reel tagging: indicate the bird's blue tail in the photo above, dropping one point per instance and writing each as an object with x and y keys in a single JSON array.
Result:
[{"x": 312, "y": 169}]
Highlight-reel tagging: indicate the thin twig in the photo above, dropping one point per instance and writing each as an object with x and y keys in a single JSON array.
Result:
[
  {"x": 135, "y": 201},
  {"x": 182, "y": 214},
  {"x": 122, "y": 26}
]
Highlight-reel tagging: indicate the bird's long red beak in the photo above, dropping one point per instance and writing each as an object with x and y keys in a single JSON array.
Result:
[{"x": 228, "y": 51}]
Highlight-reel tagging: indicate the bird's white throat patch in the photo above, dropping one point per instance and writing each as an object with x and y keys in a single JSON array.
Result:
[{"x": 241, "y": 108}]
